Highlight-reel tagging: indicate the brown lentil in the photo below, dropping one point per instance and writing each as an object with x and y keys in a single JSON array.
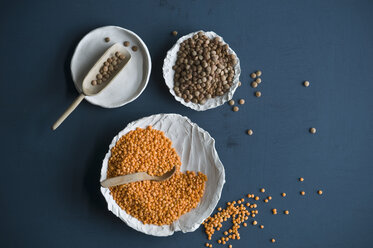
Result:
[
  {"x": 286, "y": 212},
  {"x": 319, "y": 192},
  {"x": 258, "y": 94},
  {"x": 302, "y": 193},
  {"x": 306, "y": 83},
  {"x": 235, "y": 108},
  {"x": 254, "y": 84},
  {"x": 262, "y": 190},
  {"x": 255, "y": 222},
  {"x": 134, "y": 48},
  {"x": 256, "y": 198},
  {"x": 204, "y": 69},
  {"x": 250, "y": 132},
  {"x": 312, "y": 130},
  {"x": 301, "y": 179},
  {"x": 269, "y": 197},
  {"x": 126, "y": 43},
  {"x": 107, "y": 39},
  {"x": 239, "y": 83},
  {"x": 258, "y": 80},
  {"x": 253, "y": 75},
  {"x": 174, "y": 33},
  {"x": 273, "y": 240},
  {"x": 152, "y": 202},
  {"x": 241, "y": 101},
  {"x": 265, "y": 200},
  {"x": 283, "y": 194},
  {"x": 258, "y": 73},
  {"x": 231, "y": 102},
  {"x": 261, "y": 226}
]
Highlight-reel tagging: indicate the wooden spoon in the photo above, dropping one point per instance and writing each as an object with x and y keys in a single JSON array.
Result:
[
  {"x": 136, "y": 177},
  {"x": 91, "y": 90}
]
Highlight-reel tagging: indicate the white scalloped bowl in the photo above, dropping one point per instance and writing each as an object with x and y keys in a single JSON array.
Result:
[
  {"x": 197, "y": 152},
  {"x": 168, "y": 75}
]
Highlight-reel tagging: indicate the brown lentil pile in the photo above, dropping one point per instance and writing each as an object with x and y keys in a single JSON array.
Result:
[
  {"x": 204, "y": 69},
  {"x": 109, "y": 68},
  {"x": 160, "y": 203}
]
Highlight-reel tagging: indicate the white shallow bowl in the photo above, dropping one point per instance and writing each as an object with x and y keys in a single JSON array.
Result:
[
  {"x": 196, "y": 149},
  {"x": 129, "y": 83},
  {"x": 168, "y": 75}
]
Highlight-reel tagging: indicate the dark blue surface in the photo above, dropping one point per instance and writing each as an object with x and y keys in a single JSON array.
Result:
[{"x": 49, "y": 188}]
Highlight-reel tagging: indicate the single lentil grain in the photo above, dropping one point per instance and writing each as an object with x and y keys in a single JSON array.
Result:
[
  {"x": 286, "y": 212},
  {"x": 312, "y": 130},
  {"x": 273, "y": 240},
  {"x": 301, "y": 179},
  {"x": 283, "y": 194},
  {"x": 134, "y": 48},
  {"x": 174, "y": 33},
  {"x": 231, "y": 102},
  {"x": 258, "y": 73},
  {"x": 262, "y": 190},
  {"x": 302, "y": 193},
  {"x": 250, "y": 132},
  {"x": 241, "y": 101},
  {"x": 319, "y": 192},
  {"x": 126, "y": 43},
  {"x": 306, "y": 83},
  {"x": 235, "y": 108},
  {"x": 107, "y": 39},
  {"x": 253, "y": 75},
  {"x": 258, "y": 80},
  {"x": 254, "y": 84},
  {"x": 261, "y": 226},
  {"x": 258, "y": 94}
]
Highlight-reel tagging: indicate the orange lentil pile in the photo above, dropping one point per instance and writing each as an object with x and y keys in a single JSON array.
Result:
[{"x": 160, "y": 203}]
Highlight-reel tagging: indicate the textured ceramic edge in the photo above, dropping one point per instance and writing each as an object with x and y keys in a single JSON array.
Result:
[
  {"x": 214, "y": 170},
  {"x": 168, "y": 75},
  {"x": 90, "y": 99}
]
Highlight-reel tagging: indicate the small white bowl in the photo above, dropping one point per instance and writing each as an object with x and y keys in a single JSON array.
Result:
[
  {"x": 168, "y": 75},
  {"x": 129, "y": 83},
  {"x": 197, "y": 152}
]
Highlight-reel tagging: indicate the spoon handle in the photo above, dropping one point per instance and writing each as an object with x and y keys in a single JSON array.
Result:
[
  {"x": 68, "y": 111},
  {"x": 130, "y": 178}
]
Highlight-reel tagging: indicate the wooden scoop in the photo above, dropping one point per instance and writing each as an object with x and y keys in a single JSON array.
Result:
[
  {"x": 135, "y": 177},
  {"x": 91, "y": 90}
]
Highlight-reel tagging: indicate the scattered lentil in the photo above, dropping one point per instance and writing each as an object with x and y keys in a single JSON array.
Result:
[
  {"x": 254, "y": 84},
  {"x": 258, "y": 73},
  {"x": 255, "y": 222},
  {"x": 239, "y": 83},
  {"x": 241, "y": 101},
  {"x": 301, "y": 179},
  {"x": 235, "y": 108},
  {"x": 286, "y": 212},
  {"x": 126, "y": 43},
  {"x": 262, "y": 190},
  {"x": 312, "y": 130},
  {"x": 269, "y": 197},
  {"x": 258, "y": 94},
  {"x": 258, "y": 80},
  {"x": 302, "y": 193},
  {"x": 174, "y": 33},
  {"x": 250, "y": 132},
  {"x": 319, "y": 192},
  {"x": 134, "y": 48},
  {"x": 273, "y": 240},
  {"x": 253, "y": 75},
  {"x": 231, "y": 102},
  {"x": 256, "y": 198},
  {"x": 261, "y": 226},
  {"x": 265, "y": 200},
  {"x": 283, "y": 194},
  {"x": 107, "y": 39},
  {"x": 306, "y": 83}
]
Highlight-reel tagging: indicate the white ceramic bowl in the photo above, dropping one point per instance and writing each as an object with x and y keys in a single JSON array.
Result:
[
  {"x": 129, "y": 83},
  {"x": 168, "y": 75},
  {"x": 196, "y": 149}
]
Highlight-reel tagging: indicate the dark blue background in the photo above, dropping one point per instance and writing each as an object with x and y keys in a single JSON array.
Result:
[{"x": 50, "y": 180}]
